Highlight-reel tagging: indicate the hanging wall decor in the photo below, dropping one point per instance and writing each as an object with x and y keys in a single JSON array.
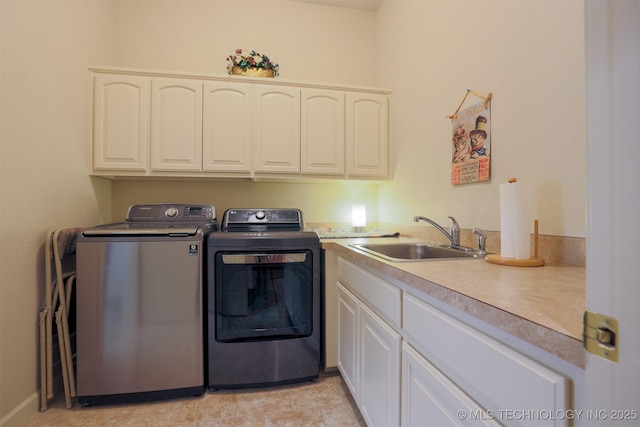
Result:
[
  {"x": 251, "y": 63},
  {"x": 471, "y": 141}
]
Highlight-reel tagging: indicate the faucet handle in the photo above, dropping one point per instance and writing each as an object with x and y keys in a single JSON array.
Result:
[
  {"x": 482, "y": 240},
  {"x": 454, "y": 223},
  {"x": 454, "y": 231}
]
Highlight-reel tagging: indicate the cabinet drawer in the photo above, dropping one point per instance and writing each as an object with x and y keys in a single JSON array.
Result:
[
  {"x": 381, "y": 296},
  {"x": 497, "y": 377}
]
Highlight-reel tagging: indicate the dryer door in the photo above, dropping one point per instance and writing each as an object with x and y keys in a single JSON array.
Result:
[{"x": 263, "y": 295}]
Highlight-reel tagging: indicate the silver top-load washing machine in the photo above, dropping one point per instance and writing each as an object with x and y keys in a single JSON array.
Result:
[{"x": 140, "y": 302}]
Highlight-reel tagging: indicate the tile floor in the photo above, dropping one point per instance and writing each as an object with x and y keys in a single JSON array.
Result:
[{"x": 325, "y": 402}]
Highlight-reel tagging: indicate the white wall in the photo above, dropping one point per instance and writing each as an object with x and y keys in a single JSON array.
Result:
[
  {"x": 310, "y": 42},
  {"x": 530, "y": 54},
  {"x": 46, "y": 49}
]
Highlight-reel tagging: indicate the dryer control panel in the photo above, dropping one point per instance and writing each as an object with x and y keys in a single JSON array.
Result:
[{"x": 267, "y": 218}]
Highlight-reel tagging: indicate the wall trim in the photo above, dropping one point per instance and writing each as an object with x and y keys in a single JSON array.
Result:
[{"x": 21, "y": 413}]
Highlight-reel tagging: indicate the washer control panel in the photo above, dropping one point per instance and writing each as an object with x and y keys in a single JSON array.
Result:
[{"x": 165, "y": 212}]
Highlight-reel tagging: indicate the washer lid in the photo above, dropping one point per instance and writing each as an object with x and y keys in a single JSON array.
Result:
[
  {"x": 159, "y": 219},
  {"x": 143, "y": 229}
]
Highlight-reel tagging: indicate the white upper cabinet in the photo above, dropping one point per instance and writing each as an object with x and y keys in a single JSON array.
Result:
[
  {"x": 184, "y": 125},
  {"x": 323, "y": 132},
  {"x": 276, "y": 147},
  {"x": 176, "y": 125},
  {"x": 120, "y": 122},
  {"x": 227, "y": 127},
  {"x": 367, "y": 135}
]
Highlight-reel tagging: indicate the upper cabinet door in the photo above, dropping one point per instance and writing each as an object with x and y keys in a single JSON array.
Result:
[
  {"x": 176, "y": 125},
  {"x": 277, "y": 129},
  {"x": 367, "y": 135},
  {"x": 121, "y": 122},
  {"x": 323, "y": 130},
  {"x": 227, "y": 127}
]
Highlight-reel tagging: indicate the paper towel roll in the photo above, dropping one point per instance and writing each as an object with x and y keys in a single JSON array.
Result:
[{"x": 516, "y": 217}]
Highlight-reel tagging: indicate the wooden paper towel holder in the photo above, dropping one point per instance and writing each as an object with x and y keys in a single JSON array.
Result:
[{"x": 534, "y": 261}]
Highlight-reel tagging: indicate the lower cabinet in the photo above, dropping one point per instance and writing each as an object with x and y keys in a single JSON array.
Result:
[
  {"x": 511, "y": 387},
  {"x": 410, "y": 363},
  {"x": 369, "y": 360}
]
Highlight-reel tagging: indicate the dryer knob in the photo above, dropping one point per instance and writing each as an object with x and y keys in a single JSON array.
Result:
[
  {"x": 171, "y": 212},
  {"x": 260, "y": 215}
]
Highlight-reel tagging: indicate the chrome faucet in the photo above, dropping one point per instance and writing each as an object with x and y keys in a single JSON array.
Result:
[{"x": 454, "y": 231}]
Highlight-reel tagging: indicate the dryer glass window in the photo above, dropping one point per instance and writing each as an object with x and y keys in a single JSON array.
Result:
[{"x": 265, "y": 295}]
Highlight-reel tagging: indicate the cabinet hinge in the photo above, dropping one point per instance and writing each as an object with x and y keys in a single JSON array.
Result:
[{"x": 600, "y": 335}]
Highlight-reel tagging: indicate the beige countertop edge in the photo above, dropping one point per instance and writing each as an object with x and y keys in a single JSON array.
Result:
[{"x": 540, "y": 305}]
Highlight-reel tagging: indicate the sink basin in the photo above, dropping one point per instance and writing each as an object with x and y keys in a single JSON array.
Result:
[{"x": 399, "y": 252}]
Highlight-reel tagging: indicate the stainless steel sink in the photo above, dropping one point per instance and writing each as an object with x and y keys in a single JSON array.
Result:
[{"x": 400, "y": 252}]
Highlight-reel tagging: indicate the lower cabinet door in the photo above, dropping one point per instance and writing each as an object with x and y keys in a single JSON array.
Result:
[
  {"x": 430, "y": 399},
  {"x": 380, "y": 371},
  {"x": 348, "y": 307},
  {"x": 369, "y": 360}
]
